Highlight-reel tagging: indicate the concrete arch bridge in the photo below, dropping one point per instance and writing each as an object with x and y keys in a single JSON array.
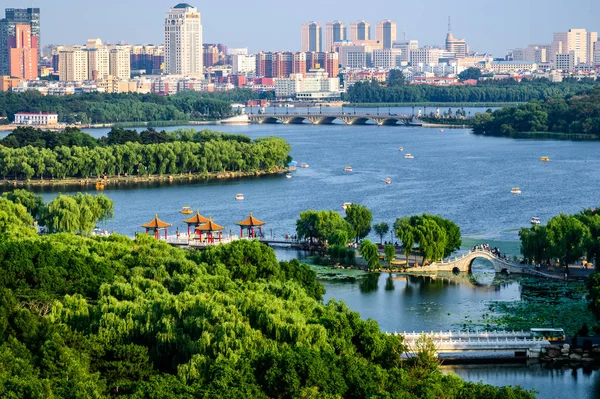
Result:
[{"x": 331, "y": 118}]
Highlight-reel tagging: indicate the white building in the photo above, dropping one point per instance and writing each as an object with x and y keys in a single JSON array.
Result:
[
  {"x": 237, "y": 51},
  {"x": 183, "y": 41},
  {"x": 513, "y": 66},
  {"x": 29, "y": 118},
  {"x": 565, "y": 62},
  {"x": 243, "y": 64},
  {"x": 98, "y": 63},
  {"x": 406, "y": 47},
  {"x": 73, "y": 64},
  {"x": 388, "y": 58},
  {"x": 316, "y": 85},
  {"x": 426, "y": 55}
]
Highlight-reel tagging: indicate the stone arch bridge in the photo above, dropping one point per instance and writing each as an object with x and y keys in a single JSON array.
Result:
[
  {"x": 463, "y": 264},
  {"x": 330, "y": 118}
]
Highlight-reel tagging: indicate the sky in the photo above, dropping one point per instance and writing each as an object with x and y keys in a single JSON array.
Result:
[{"x": 275, "y": 25}]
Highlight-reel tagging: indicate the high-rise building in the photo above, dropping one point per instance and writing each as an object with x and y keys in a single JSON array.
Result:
[
  {"x": 454, "y": 45},
  {"x": 98, "y": 62},
  {"x": 119, "y": 62},
  {"x": 23, "y": 54},
  {"x": 243, "y": 64},
  {"x": 597, "y": 53},
  {"x": 14, "y": 17},
  {"x": 406, "y": 47},
  {"x": 360, "y": 30},
  {"x": 73, "y": 64},
  {"x": 210, "y": 55},
  {"x": 387, "y": 58},
  {"x": 312, "y": 37},
  {"x": 334, "y": 32},
  {"x": 579, "y": 41},
  {"x": 426, "y": 55},
  {"x": 355, "y": 57},
  {"x": 386, "y": 33},
  {"x": 183, "y": 41},
  {"x": 539, "y": 53}
]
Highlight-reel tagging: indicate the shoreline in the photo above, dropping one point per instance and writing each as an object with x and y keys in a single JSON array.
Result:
[
  {"x": 434, "y": 104},
  {"x": 116, "y": 180}
]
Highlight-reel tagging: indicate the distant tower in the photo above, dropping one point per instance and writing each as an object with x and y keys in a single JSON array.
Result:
[
  {"x": 456, "y": 46},
  {"x": 386, "y": 33},
  {"x": 360, "y": 30},
  {"x": 334, "y": 32},
  {"x": 183, "y": 41},
  {"x": 312, "y": 37}
]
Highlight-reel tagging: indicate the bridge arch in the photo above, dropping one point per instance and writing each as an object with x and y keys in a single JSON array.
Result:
[
  {"x": 390, "y": 122},
  {"x": 327, "y": 120},
  {"x": 270, "y": 120},
  {"x": 298, "y": 120},
  {"x": 362, "y": 121}
]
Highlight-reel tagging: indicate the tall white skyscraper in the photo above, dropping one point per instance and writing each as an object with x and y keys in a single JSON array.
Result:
[{"x": 183, "y": 41}]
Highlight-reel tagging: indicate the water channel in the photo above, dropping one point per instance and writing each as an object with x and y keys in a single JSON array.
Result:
[{"x": 454, "y": 173}]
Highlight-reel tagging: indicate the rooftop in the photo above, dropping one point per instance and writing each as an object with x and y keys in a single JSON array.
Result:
[{"x": 183, "y": 5}]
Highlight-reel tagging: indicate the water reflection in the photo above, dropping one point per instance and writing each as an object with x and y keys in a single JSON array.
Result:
[{"x": 369, "y": 283}]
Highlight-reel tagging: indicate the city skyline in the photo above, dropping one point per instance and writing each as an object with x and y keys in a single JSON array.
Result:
[{"x": 528, "y": 24}]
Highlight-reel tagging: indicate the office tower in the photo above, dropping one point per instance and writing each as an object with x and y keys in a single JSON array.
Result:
[
  {"x": 334, "y": 32},
  {"x": 386, "y": 33},
  {"x": 119, "y": 62},
  {"x": 23, "y": 54},
  {"x": 406, "y": 47},
  {"x": 387, "y": 58},
  {"x": 183, "y": 41},
  {"x": 243, "y": 64},
  {"x": 578, "y": 41},
  {"x": 312, "y": 37},
  {"x": 360, "y": 30},
  {"x": 355, "y": 57},
  {"x": 14, "y": 17},
  {"x": 210, "y": 55},
  {"x": 98, "y": 62},
  {"x": 456, "y": 46}
]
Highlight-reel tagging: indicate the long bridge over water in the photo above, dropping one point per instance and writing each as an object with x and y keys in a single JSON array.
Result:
[
  {"x": 345, "y": 118},
  {"x": 518, "y": 342}
]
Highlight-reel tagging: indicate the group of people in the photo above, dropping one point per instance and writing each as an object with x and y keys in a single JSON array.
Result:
[{"x": 486, "y": 247}]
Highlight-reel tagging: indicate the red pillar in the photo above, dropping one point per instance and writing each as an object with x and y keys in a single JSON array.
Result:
[
  {"x": 156, "y": 233},
  {"x": 146, "y": 231},
  {"x": 166, "y": 234},
  {"x": 188, "y": 230},
  {"x": 220, "y": 236},
  {"x": 241, "y": 232}
]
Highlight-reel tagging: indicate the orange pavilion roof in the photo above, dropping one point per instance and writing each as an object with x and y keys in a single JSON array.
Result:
[
  {"x": 196, "y": 219},
  {"x": 210, "y": 226},
  {"x": 156, "y": 224},
  {"x": 251, "y": 221}
]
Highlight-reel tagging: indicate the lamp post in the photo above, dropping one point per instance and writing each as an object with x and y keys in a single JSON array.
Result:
[{"x": 320, "y": 109}]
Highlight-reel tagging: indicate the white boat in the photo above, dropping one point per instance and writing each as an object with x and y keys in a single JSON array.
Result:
[
  {"x": 516, "y": 190},
  {"x": 388, "y": 181},
  {"x": 304, "y": 165},
  {"x": 348, "y": 169},
  {"x": 345, "y": 205},
  {"x": 535, "y": 220},
  {"x": 442, "y": 130},
  {"x": 408, "y": 156},
  {"x": 400, "y": 149},
  {"x": 239, "y": 197},
  {"x": 288, "y": 175}
]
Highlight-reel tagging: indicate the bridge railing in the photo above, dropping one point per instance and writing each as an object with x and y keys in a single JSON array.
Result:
[{"x": 464, "y": 334}]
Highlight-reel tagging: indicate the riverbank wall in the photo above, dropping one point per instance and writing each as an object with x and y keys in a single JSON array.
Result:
[{"x": 118, "y": 180}]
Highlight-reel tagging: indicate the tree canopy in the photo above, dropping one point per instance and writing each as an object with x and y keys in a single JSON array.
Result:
[{"x": 359, "y": 217}]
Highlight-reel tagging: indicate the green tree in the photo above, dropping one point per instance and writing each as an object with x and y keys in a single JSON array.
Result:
[
  {"x": 396, "y": 78},
  {"x": 370, "y": 253},
  {"x": 591, "y": 219},
  {"x": 535, "y": 245},
  {"x": 33, "y": 202},
  {"x": 406, "y": 233},
  {"x": 567, "y": 236},
  {"x": 381, "y": 229},
  {"x": 390, "y": 254},
  {"x": 470, "y": 73},
  {"x": 359, "y": 217}
]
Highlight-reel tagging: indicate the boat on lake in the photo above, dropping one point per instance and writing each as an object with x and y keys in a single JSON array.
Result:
[
  {"x": 400, "y": 149},
  {"x": 99, "y": 186},
  {"x": 545, "y": 159},
  {"x": 346, "y": 205},
  {"x": 535, "y": 221},
  {"x": 186, "y": 210},
  {"x": 408, "y": 156},
  {"x": 304, "y": 165},
  {"x": 515, "y": 190},
  {"x": 388, "y": 181},
  {"x": 348, "y": 169},
  {"x": 239, "y": 197},
  {"x": 442, "y": 130},
  {"x": 288, "y": 175}
]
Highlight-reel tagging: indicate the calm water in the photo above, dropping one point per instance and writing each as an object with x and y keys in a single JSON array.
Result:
[{"x": 455, "y": 174}]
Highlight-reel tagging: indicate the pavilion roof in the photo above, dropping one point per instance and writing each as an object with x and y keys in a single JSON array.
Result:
[
  {"x": 156, "y": 224},
  {"x": 196, "y": 219},
  {"x": 210, "y": 226},
  {"x": 251, "y": 221}
]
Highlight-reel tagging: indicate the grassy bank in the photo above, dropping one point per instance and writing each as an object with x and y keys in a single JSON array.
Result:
[
  {"x": 118, "y": 180},
  {"x": 432, "y": 104}
]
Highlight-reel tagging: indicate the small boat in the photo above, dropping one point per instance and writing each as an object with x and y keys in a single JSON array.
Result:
[
  {"x": 388, "y": 181},
  {"x": 348, "y": 169},
  {"x": 304, "y": 165},
  {"x": 288, "y": 175},
  {"x": 515, "y": 190},
  {"x": 545, "y": 159},
  {"x": 535, "y": 220},
  {"x": 99, "y": 186},
  {"x": 346, "y": 205},
  {"x": 186, "y": 210},
  {"x": 442, "y": 130},
  {"x": 400, "y": 149},
  {"x": 408, "y": 156},
  {"x": 239, "y": 197}
]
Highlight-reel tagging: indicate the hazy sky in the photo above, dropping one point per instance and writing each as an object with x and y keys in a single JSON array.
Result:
[{"x": 273, "y": 25}]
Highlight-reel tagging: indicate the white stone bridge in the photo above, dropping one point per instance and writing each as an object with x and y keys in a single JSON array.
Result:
[
  {"x": 518, "y": 342},
  {"x": 329, "y": 118},
  {"x": 463, "y": 264}
]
